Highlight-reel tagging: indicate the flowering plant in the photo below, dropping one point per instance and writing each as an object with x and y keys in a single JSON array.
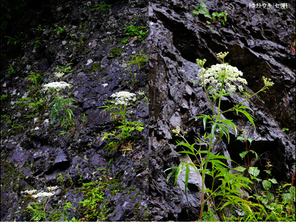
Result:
[
  {"x": 218, "y": 80},
  {"x": 61, "y": 104},
  {"x": 118, "y": 111},
  {"x": 57, "y": 85},
  {"x": 37, "y": 209}
]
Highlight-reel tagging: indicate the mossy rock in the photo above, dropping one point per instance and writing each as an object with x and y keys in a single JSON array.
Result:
[{"x": 115, "y": 52}]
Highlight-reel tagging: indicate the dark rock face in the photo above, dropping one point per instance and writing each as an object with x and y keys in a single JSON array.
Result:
[
  {"x": 39, "y": 155},
  {"x": 34, "y": 155},
  {"x": 258, "y": 42}
]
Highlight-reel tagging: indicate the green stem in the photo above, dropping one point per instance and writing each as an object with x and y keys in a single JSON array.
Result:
[
  {"x": 124, "y": 115},
  {"x": 208, "y": 154},
  {"x": 231, "y": 109},
  {"x": 203, "y": 178},
  {"x": 220, "y": 96},
  {"x": 204, "y": 86}
]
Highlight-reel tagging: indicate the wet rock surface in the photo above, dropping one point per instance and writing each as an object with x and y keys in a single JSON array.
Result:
[
  {"x": 258, "y": 42},
  {"x": 34, "y": 153}
]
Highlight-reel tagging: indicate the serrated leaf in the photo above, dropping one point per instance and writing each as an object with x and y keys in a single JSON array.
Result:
[
  {"x": 240, "y": 168},
  {"x": 264, "y": 200},
  {"x": 250, "y": 117},
  {"x": 254, "y": 171},
  {"x": 287, "y": 196},
  {"x": 213, "y": 129},
  {"x": 266, "y": 184},
  {"x": 230, "y": 124},
  {"x": 270, "y": 196},
  {"x": 225, "y": 131}
]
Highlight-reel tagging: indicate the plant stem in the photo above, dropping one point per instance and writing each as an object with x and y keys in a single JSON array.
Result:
[
  {"x": 45, "y": 208},
  {"x": 203, "y": 178},
  {"x": 230, "y": 109},
  {"x": 208, "y": 153}
]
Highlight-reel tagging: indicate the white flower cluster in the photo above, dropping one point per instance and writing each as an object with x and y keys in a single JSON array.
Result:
[
  {"x": 223, "y": 72},
  {"x": 59, "y": 74},
  {"x": 29, "y": 191},
  {"x": 56, "y": 85},
  {"x": 43, "y": 194},
  {"x": 52, "y": 188},
  {"x": 123, "y": 97}
]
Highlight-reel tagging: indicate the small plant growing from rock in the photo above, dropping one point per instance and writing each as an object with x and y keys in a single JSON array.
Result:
[
  {"x": 139, "y": 58},
  {"x": 10, "y": 69},
  {"x": 64, "y": 69},
  {"x": 201, "y": 9},
  {"x": 93, "y": 204},
  {"x": 118, "y": 111},
  {"x": 38, "y": 208},
  {"x": 59, "y": 29},
  {"x": 103, "y": 7},
  {"x": 220, "y": 80},
  {"x": 95, "y": 66},
  {"x": 115, "y": 52},
  {"x": 139, "y": 32},
  {"x": 15, "y": 41},
  {"x": 61, "y": 105},
  {"x": 3, "y": 97}
]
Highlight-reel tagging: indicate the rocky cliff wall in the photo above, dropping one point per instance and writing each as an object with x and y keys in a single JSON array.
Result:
[{"x": 259, "y": 44}]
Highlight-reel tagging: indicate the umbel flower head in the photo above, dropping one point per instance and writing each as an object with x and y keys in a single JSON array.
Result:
[
  {"x": 29, "y": 191},
  {"x": 123, "y": 97},
  {"x": 43, "y": 194},
  {"x": 57, "y": 85},
  {"x": 59, "y": 74},
  {"x": 223, "y": 73}
]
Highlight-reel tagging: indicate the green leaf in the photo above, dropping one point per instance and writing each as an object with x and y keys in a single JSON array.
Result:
[
  {"x": 270, "y": 196},
  {"x": 243, "y": 154},
  {"x": 287, "y": 197},
  {"x": 254, "y": 171},
  {"x": 187, "y": 152},
  {"x": 250, "y": 117},
  {"x": 230, "y": 124},
  {"x": 194, "y": 167},
  {"x": 244, "y": 107},
  {"x": 225, "y": 131},
  {"x": 266, "y": 184},
  {"x": 213, "y": 129},
  {"x": 272, "y": 206},
  {"x": 264, "y": 200},
  {"x": 252, "y": 151},
  {"x": 240, "y": 138},
  {"x": 178, "y": 171},
  {"x": 187, "y": 171},
  {"x": 240, "y": 168},
  {"x": 204, "y": 120},
  {"x": 171, "y": 173},
  {"x": 273, "y": 181}
]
